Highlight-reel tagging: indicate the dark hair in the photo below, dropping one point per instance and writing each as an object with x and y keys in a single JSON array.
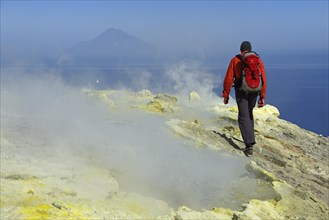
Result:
[{"x": 245, "y": 45}]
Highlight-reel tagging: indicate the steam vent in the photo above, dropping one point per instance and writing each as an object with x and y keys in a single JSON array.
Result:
[{"x": 117, "y": 154}]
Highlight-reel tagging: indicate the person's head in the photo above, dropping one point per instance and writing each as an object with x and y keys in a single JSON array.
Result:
[{"x": 245, "y": 46}]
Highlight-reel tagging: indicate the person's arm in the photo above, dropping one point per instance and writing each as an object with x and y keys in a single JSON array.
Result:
[
  {"x": 228, "y": 81},
  {"x": 262, "y": 94},
  {"x": 263, "y": 91}
]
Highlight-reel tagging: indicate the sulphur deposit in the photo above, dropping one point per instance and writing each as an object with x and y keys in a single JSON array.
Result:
[{"x": 118, "y": 154}]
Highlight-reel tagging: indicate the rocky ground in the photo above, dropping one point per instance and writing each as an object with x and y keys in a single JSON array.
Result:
[{"x": 289, "y": 166}]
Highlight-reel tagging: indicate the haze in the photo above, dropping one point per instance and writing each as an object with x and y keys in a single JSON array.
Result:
[{"x": 175, "y": 25}]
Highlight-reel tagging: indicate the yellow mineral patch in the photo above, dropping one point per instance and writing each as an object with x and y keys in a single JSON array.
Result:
[
  {"x": 155, "y": 106},
  {"x": 162, "y": 103},
  {"x": 232, "y": 118},
  {"x": 76, "y": 211},
  {"x": 51, "y": 211},
  {"x": 34, "y": 183},
  {"x": 41, "y": 211},
  {"x": 257, "y": 209},
  {"x": 27, "y": 200},
  {"x": 104, "y": 97},
  {"x": 231, "y": 131},
  {"x": 260, "y": 172},
  {"x": 216, "y": 214},
  {"x": 29, "y": 191},
  {"x": 137, "y": 208},
  {"x": 194, "y": 96},
  {"x": 223, "y": 211},
  {"x": 234, "y": 109},
  {"x": 266, "y": 112},
  {"x": 282, "y": 188},
  {"x": 297, "y": 204}
]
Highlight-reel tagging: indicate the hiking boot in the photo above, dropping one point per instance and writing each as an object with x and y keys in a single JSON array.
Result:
[{"x": 248, "y": 151}]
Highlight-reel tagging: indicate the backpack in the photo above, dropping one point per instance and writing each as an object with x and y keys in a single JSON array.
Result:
[{"x": 251, "y": 76}]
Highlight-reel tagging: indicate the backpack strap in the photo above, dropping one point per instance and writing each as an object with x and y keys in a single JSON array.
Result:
[
  {"x": 255, "y": 53},
  {"x": 238, "y": 82},
  {"x": 240, "y": 56}
]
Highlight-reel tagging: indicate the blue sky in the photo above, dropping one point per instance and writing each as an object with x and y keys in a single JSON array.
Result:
[{"x": 200, "y": 24}]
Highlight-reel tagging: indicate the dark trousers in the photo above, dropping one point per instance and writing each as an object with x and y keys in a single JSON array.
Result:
[{"x": 246, "y": 103}]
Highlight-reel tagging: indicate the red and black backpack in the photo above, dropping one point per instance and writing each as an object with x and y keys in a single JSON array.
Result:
[{"x": 251, "y": 76}]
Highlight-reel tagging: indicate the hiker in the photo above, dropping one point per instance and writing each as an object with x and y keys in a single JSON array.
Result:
[{"x": 246, "y": 71}]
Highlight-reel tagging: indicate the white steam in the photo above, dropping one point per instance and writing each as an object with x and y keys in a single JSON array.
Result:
[{"x": 136, "y": 147}]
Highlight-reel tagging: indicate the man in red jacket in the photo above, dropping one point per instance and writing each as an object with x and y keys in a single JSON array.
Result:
[{"x": 246, "y": 101}]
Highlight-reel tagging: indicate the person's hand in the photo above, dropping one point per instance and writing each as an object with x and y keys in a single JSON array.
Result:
[
  {"x": 225, "y": 100},
  {"x": 261, "y": 103}
]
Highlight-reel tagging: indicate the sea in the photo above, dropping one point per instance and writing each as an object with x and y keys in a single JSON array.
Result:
[{"x": 301, "y": 95}]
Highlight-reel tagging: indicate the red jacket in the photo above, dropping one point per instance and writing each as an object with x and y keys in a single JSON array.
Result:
[{"x": 233, "y": 74}]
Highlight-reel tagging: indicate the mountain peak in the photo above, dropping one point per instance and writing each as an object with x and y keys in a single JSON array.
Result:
[
  {"x": 113, "y": 47},
  {"x": 111, "y": 31},
  {"x": 113, "y": 34}
]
